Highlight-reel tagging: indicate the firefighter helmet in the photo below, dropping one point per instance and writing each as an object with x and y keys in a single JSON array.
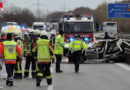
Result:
[
  {"x": 43, "y": 33},
  {"x": 37, "y": 32},
  {"x": 31, "y": 31}
]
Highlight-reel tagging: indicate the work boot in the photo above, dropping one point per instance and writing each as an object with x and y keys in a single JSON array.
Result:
[
  {"x": 49, "y": 81},
  {"x": 59, "y": 71},
  {"x": 38, "y": 81},
  {"x": 7, "y": 82},
  {"x": 20, "y": 76},
  {"x": 26, "y": 74},
  {"x": 10, "y": 83}
]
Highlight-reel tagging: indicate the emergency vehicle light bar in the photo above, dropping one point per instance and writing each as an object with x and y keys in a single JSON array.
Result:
[
  {"x": 18, "y": 27},
  {"x": 71, "y": 39},
  {"x": 86, "y": 39}
]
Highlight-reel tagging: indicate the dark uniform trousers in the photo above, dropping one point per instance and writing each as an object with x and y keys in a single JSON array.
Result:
[
  {"x": 76, "y": 59},
  {"x": 18, "y": 69},
  {"x": 9, "y": 69},
  {"x": 45, "y": 69},
  {"x": 58, "y": 61},
  {"x": 29, "y": 60}
]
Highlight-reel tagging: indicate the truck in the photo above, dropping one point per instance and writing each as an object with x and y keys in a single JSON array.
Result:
[
  {"x": 78, "y": 24},
  {"x": 39, "y": 25},
  {"x": 110, "y": 28}
]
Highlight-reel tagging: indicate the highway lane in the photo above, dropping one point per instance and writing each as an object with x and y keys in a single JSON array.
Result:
[{"x": 90, "y": 77}]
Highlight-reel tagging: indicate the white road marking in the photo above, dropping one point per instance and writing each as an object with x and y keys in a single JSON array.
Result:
[
  {"x": 123, "y": 66},
  {"x": 50, "y": 87}
]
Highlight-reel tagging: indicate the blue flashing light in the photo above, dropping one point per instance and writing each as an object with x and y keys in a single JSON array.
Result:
[
  {"x": 89, "y": 17},
  {"x": 23, "y": 27},
  {"x": 18, "y": 27},
  {"x": 86, "y": 39},
  {"x": 71, "y": 39},
  {"x": 68, "y": 18}
]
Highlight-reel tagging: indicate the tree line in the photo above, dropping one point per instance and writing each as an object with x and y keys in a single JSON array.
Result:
[
  {"x": 99, "y": 14},
  {"x": 26, "y": 16}
]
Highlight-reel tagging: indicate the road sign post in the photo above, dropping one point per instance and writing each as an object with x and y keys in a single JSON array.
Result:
[{"x": 119, "y": 10}]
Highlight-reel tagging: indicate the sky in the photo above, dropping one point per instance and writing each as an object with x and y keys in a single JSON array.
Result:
[{"x": 57, "y": 5}]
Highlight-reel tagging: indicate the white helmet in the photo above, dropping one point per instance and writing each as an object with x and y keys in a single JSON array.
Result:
[
  {"x": 53, "y": 32},
  {"x": 26, "y": 33},
  {"x": 31, "y": 31},
  {"x": 43, "y": 33},
  {"x": 37, "y": 32}
]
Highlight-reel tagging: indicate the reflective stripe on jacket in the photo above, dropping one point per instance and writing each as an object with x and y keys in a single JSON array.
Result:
[
  {"x": 77, "y": 44},
  {"x": 10, "y": 51},
  {"x": 59, "y": 44},
  {"x": 43, "y": 51}
]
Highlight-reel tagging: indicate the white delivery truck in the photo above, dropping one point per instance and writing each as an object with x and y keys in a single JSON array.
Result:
[
  {"x": 110, "y": 28},
  {"x": 39, "y": 26}
]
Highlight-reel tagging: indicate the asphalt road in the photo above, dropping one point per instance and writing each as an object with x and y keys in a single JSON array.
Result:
[{"x": 90, "y": 77}]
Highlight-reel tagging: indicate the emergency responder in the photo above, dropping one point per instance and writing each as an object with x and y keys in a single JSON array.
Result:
[
  {"x": 25, "y": 42},
  {"x": 9, "y": 51},
  {"x": 29, "y": 56},
  {"x": 77, "y": 47},
  {"x": 44, "y": 53},
  {"x": 58, "y": 49},
  {"x": 3, "y": 73},
  {"x": 18, "y": 68},
  {"x": 37, "y": 36},
  {"x": 52, "y": 40}
]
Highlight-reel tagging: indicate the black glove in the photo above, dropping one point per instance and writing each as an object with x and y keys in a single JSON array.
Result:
[{"x": 83, "y": 53}]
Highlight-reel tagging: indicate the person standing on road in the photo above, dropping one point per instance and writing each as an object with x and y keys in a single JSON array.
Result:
[
  {"x": 9, "y": 51},
  {"x": 44, "y": 56},
  {"x": 58, "y": 49},
  {"x": 77, "y": 47},
  {"x": 18, "y": 66},
  {"x": 52, "y": 40},
  {"x": 29, "y": 56}
]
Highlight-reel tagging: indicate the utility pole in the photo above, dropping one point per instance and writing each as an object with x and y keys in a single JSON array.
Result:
[{"x": 38, "y": 9}]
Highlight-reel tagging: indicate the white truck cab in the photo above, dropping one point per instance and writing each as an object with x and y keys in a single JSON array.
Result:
[
  {"x": 39, "y": 26},
  {"x": 110, "y": 28}
]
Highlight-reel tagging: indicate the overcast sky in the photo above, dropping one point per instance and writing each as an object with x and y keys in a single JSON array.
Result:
[{"x": 54, "y": 5}]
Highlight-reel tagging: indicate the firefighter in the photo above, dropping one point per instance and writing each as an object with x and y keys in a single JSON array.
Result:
[
  {"x": 18, "y": 68},
  {"x": 37, "y": 36},
  {"x": 44, "y": 53},
  {"x": 29, "y": 56},
  {"x": 58, "y": 49},
  {"x": 77, "y": 47},
  {"x": 25, "y": 42},
  {"x": 52, "y": 40},
  {"x": 9, "y": 51}
]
